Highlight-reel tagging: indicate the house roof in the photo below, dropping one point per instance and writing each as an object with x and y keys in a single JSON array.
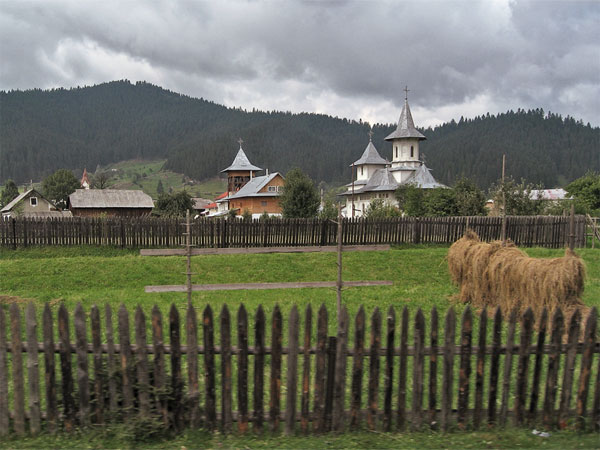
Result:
[
  {"x": 422, "y": 178},
  {"x": 201, "y": 203},
  {"x": 252, "y": 187},
  {"x": 241, "y": 162},
  {"x": 110, "y": 198},
  {"x": 22, "y": 196},
  {"x": 370, "y": 156},
  {"x": 406, "y": 126}
]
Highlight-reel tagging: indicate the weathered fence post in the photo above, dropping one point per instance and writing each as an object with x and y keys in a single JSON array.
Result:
[
  {"x": 373, "y": 390},
  {"x": 275, "y": 388},
  {"x": 32, "y": 370},
  {"x": 226, "y": 371},
  {"x": 329, "y": 386},
  {"x": 589, "y": 339},
  {"x": 4, "y": 413},
  {"x": 449, "y": 333},
  {"x": 82, "y": 366},
  {"x": 141, "y": 363},
  {"x": 192, "y": 363},
  {"x": 418, "y": 369},
  {"x": 320, "y": 373},
  {"x": 292, "y": 372},
  {"x": 159, "y": 366},
  {"x": 259, "y": 368},
  {"x": 402, "y": 370},
  {"x": 65, "y": 366},
  {"x": 242, "y": 384},
  {"x": 209, "y": 367},
  {"x": 305, "y": 401}
]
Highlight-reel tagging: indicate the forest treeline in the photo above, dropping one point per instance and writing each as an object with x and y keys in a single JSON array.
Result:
[{"x": 43, "y": 130}]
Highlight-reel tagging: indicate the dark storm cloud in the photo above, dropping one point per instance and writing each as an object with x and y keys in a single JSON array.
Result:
[{"x": 344, "y": 58}]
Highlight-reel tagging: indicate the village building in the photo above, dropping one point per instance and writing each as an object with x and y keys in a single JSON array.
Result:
[
  {"x": 200, "y": 205},
  {"x": 376, "y": 178},
  {"x": 85, "y": 181},
  {"x": 248, "y": 192},
  {"x": 110, "y": 203},
  {"x": 32, "y": 204}
]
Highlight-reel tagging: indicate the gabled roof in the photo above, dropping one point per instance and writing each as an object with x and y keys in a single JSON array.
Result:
[
  {"x": 110, "y": 198},
  {"x": 241, "y": 162},
  {"x": 370, "y": 156},
  {"x": 381, "y": 180},
  {"x": 20, "y": 197},
  {"x": 423, "y": 179},
  {"x": 201, "y": 203},
  {"x": 252, "y": 188},
  {"x": 406, "y": 126}
]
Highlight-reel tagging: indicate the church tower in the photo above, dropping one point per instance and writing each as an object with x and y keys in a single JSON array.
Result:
[
  {"x": 405, "y": 144},
  {"x": 240, "y": 172}
]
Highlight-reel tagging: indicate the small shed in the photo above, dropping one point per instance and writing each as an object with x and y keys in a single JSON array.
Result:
[{"x": 110, "y": 203}]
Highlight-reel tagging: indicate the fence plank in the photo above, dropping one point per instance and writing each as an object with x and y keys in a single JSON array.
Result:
[
  {"x": 537, "y": 370},
  {"x": 259, "y": 367},
  {"x": 589, "y": 340},
  {"x": 479, "y": 370},
  {"x": 177, "y": 412},
  {"x": 126, "y": 362},
  {"x": 242, "y": 384},
  {"x": 339, "y": 393},
  {"x": 226, "y": 371},
  {"x": 65, "y": 367},
  {"x": 33, "y": 376},
  {"x": 49, "y": 370},
  {"x": 402, "y": 370},
  {"x": 17, "y": 366},
  {"x": 494, "y": 366},
  {"x": 418, "y": 371},
  {"x": 159, "y": 379},
  {"x": 110, "y": 362},
  {"x": 141, "y": 356},
  {"x": 525, "y": 340},
  {"x": 596, "y": 408},
  {"x": 292, "y": 372},
  {"x": 433, "y": 372},
  {"x": 373, "y": 390},
  {"x": 567, "y": 384},
  {"x": 275, "y": 385},
  {"x": 465, "y": 367},
  {"x": 82, "y": 366},
  {"x": 209, "y": 367},
  {"x": 508, "y": 366},
  {"x": 305, "y": 401},
  {"x": 330, "y": 381},
  {"x": 320, "y": 371},
  {"x": 191, "y": 339},
  {"x": 447, "y": 381},
  {"x": 389, "y": 369},
  {"x": 4, "y": 413},
  {"x": 553, "y": 367},
  {"x": 357, "y": 368},
  {"x": 98, "y": 369}
]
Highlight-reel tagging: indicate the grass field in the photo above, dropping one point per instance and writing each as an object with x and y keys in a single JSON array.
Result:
[{"x": 106, "y": 275}]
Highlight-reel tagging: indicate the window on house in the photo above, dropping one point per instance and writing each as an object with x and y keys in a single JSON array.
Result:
[
  {"x": 279, "y": 188},
  {"x": 396, "y": 152},
  {"x": 33, "y": 201},
  {"x": 263, "y": 203},
  {"x": 361, "y": 171},
  {"x": 412, "y": 151},
  {"x": 272, "y": 189}
]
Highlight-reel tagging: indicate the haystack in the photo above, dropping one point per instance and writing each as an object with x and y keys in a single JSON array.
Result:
[{"x": 494, "y": 275}]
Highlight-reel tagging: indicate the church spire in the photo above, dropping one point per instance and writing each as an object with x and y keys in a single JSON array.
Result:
[{"x": 406, "y": 126}]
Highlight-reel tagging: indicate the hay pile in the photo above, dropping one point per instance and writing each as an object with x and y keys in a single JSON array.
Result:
[{"x": 492, "y": 275}]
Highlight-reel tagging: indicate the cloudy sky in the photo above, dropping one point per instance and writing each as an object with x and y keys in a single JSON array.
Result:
[{"x": 344, "y": 58}]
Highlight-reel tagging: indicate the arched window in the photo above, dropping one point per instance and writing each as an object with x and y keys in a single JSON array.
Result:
[
  {"x": 361, "y": 171},
  {"x": 412, "y": 151},
  {"x": 396, "y": 152}
]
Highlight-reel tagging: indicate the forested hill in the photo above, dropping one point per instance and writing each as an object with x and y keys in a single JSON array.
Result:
[{"x": 41, "y": 131}]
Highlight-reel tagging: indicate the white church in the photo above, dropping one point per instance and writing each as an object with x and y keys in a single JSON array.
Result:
[{"x": 375, "y": 177}]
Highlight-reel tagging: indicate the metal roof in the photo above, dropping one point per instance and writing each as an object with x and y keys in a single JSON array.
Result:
[
  {"x": 241, "y": 162},
  {"x": 252, "y": 187},
  {"x": 16, "y": 200},
  {"x": 201, "y": 203},
  {"x": 423, "y": 179},
  {"x": 110, "y": 198},
  {"x": 370, "y": 156},
  {"x": 406, "y": 126}
]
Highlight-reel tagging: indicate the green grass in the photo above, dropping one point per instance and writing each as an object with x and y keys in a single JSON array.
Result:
[
  {"x": 149, "y": 173},
  {"x": 119, "y": 438}
]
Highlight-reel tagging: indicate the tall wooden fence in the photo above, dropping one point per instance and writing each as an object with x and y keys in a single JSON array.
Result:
[
  {"x": 389, "y": 374},
  {"x": 544, "y": 231}
]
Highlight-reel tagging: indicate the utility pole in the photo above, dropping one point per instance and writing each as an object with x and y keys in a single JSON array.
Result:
[
  {"x": 339, "y": 263},
  {"x": 188, "y": 248},
  {"x": 353, "y": 190},
  {"x": 503, "y": 235}
]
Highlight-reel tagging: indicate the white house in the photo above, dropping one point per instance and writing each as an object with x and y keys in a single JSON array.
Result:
[{"x": 376, "y": 178}]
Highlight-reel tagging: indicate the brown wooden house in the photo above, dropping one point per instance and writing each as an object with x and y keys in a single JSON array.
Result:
[
  {"x": 110, "y": 203},
  {"x": 259, "y": 195}
]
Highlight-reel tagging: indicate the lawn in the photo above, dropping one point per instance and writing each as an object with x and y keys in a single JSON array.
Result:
[{"x": 93, "y": 275}]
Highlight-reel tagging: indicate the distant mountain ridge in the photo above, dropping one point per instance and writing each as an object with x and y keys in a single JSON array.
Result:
[{"x": 43, "y": 130}]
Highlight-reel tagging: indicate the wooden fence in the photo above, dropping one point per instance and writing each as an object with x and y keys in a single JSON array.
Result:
[
  {"x": 544, "y": 231},
  {"x": 334, "y": 383}
]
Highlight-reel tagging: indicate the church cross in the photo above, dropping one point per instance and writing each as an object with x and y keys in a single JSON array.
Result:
[
  {"x": 406, "y": 91},
  {"x": 240, "y": 141}
]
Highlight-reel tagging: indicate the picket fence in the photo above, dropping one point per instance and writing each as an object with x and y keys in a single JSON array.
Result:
[
  {"x": 543, "y": 231},
  {"x": 128, "y": 381}
]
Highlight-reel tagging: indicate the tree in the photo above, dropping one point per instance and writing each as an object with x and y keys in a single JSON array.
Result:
[
  {"x": 329, "y": 211},
  {"x": 519, "y": 198},
  {"x": 439, "y": 202},
  {"x": 586, "y": 192},
  {"x": 246, "y": 215},
  {"x": 379, "y": 209},
  {"x": 300, "y": 197},
  {"x": 58, "y": 186},
  {"x": 470, "y": 200},
  {"x": 410, "y": 199},
  {"x": 159, "y": 188},
  {"x": 9, "y": 192},
  {"x": 100, "y": 180},
  {"x": 175, "y": 204}
]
